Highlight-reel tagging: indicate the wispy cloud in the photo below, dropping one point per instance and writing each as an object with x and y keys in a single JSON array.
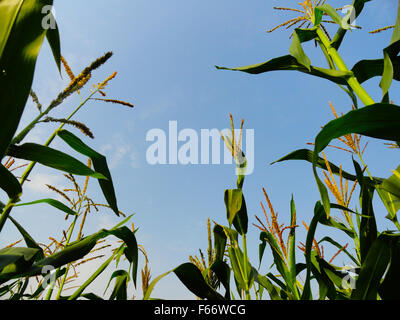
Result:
[
  {"x": 119, "y": 151},
  {"x": 38, "y": 182}
]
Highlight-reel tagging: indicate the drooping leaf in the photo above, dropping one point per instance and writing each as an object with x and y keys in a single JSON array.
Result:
[
  {"x": 296, "y": 49},
  {"x": 9, "y": 183},
  {"x": 262, "y": 246},
  {"x": 52, "y": 202},
  {"x": 99, "y": 164},
  {"x": 52, "y": 158},
  {"x": 289, "y": 63},
  {"x": 53, "y": 38},
  {"x": 30, "y": 242},
  {"x": 331, "y": 222},
  {"x": 131, "y": 249},
  {"x": 368, "y": 69},
  {"x": 307, "y": 155},
  {"x": 121, "y": 284},
  {"x": 223, "y": 272},
  {"x": 192, "y": 278},
  {"x": 378, "y": 121}
]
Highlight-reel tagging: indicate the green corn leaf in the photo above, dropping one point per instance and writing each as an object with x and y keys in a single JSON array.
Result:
[
  {"x": 91, "y": 296},
  {"x": 81, "y": 248},
  {"x": 93, "y": 277},
  {"x": 9, "y": 183},
  {"x": 358, "y": 6},
  {"x": 388, "y": 73},
  {"x": 152, "y": 285},
  {"x": 308, "y": 155},
  {"x": 331, "y": 222},
  {"x": 262, "y": 246},
  {"x": 368, "y": 228},
  {"x": 368, "y": 69},
  {"x": 22, "y": 36},
  {"x": 389, "y": 192},
  {"x": 291, "y": 247},
  {"x": 52, "y": 158},
  {"x": 378, "y": 121},
  {"x": 389, "y": 289},
  {"x": 373, "y": 268},
  {"x": 243, "y": 274},
  {"x": 331, "y": 11},
  {"x": 52, "y": 202},
  {"x": 192, "y": 278},
  {"x": 219, "y": 242},
  {"x": 319, "y": 212},
  {"x": 223, "y": 273},
  {"x": 325, "y": 285},
  {"x": 390, "y": 53},
  {"x": 14, "y": 261},
  {"x": 233, "y": 236},
  {"x": 289, "y": 63},
  {"x": 53, "y": 38},
  {"x": 121, "y": 284},
  {"x": 274, "y": 291},
  {"x": 9, "y": 11},
  {"x": 296, "y": 49},
  {"x": 340, "y": 247},
  {"x": 99, "y": 164},
  {"x": 30, "y": 242},
  {"x": 131, "y": 249},
  {"x": 40, "y": 288},
  {"x": 236, "y": 210},
  {"x": 279, "y": 260}
]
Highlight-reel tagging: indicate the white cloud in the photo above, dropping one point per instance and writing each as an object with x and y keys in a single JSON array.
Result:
[
  {"x": 38, "y": 182},
  {"x": 119, "y": 151}
]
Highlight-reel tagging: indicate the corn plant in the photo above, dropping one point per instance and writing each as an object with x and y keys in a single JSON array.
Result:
[
  {"x": 21, "y": 36},
  {"x": 376, "y": 252},
  {"x": 228, "y": 255}
]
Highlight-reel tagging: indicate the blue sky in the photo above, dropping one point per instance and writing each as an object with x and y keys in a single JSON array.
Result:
[{"x": 165, "y": 52}]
